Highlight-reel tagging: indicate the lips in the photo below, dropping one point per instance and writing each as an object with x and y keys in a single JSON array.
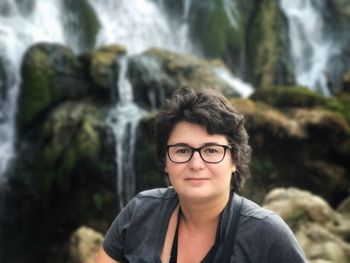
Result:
[{"x": 196, "y": 179}]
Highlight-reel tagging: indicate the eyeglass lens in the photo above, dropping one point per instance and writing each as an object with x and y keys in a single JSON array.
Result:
[{"x": 208, "y": 153}]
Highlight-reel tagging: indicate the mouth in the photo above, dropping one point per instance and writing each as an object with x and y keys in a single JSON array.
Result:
[{"x": 196, "y": 179}]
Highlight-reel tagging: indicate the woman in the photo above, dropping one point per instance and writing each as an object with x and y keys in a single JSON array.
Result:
[{"x": 203, "y": 147}]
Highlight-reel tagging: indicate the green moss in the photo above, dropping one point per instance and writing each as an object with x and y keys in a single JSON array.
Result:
[
  {"x": 82, "y": 19},
  {"x": 266, "y": 45},
  {"x": 66, "y": 168},
  {"x": 341, "y": 105},
  {"x": 291, "y": 96},
  {"x": 87, "y": 141},
  {"x": 219, "y": 35},
  {"x": 36, "y": 94}
]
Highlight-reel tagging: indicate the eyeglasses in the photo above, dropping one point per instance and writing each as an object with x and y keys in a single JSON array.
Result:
[{"x": 210, "y": 153}]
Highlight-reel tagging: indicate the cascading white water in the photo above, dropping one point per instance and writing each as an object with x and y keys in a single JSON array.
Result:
[
  {"x": 310, "y": 45},
  {"x": 244, "y": 89},
  {"x": 124, "y": 118},
  {"x": 137, "y": 24},
  {"x": 18, "y": 31}
]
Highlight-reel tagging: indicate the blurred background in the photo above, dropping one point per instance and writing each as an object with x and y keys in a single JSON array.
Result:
[{"x": 81, "y": 82}]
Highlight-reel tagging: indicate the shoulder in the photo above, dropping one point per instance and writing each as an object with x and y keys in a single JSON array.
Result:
[
  {"x": 157, "y": 193},
  {"x": 152, "y": 203},
  {"x": 254, "y": 211},
  {"x": 263, "y": 221},
  {"x": 264, "y": 232}
]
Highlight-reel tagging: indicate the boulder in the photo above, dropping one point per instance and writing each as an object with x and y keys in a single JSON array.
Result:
[
  {"x": 51, "y": 74},
  {"x": 84, "y": 244},
  {"x": 321, "y": 231}
]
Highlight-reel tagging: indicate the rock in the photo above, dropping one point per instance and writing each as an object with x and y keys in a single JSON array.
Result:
[
  {"x": 320, "y": 230},
  {"x": 149, "y": 174},
  {"x": 156, "y": 73},
  {"x": 287, "y": 97},
  {"x": 346, "y": 80},
  {"x": 100, "y": 67},
  {"x": 344, "y": 207},
  {"x": 51, "y": 74},
  {"x": 81, "y": 24},
  {"x": 303, "y": 162},
  {"x": 83, "y": 245},
  {"x": 320, "y": 244},
  {"x": 297, "y": 207},
  {"x": 267, "y": 62}
]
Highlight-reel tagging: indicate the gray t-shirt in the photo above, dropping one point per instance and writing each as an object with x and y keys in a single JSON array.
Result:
[{"x": 137, "y": 234}]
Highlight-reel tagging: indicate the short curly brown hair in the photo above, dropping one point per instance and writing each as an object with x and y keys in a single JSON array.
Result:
[{"x": 209, "y": 109}]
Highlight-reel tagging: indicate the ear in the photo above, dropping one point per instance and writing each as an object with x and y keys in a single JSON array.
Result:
[{"x": 234, "y": 168}]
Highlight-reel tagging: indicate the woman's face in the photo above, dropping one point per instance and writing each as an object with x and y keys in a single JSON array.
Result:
[{"x": 197, "y": 179}]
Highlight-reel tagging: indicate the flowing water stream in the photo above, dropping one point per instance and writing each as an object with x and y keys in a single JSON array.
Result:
[
  {"x": 19, "y": 29},
  {"x": 311, "y": 46}
]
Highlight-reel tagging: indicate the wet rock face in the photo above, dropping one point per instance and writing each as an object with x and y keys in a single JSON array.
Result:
[{"x": 52, "y": 74}]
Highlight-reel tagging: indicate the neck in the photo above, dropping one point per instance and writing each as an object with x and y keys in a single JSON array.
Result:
[{"x": 199, "y": 213}]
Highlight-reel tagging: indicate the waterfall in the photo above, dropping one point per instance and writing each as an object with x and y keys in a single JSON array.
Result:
[
  {"x": 137, "y": 24},
  {"x": 311, "y": 46},
  {"x": 238, "y": 85},
  {"x": 20, "y": 27},
  {"x": 124, "y": 118}
]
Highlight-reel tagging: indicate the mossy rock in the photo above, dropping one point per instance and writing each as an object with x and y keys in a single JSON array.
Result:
[
  {"x": 75, "y": 136},
  {"x": 81, "y": 23},
  {"x": 290, "y": 96},
  {"x": 149, "y": 174},
  {"x": 340, "y": 103},
  {"x": 218, "y": 28},
  {"x": 50, "y": 74},
  {"x": 101, "y": 68},
  {"x": 267, "y": 46},
  {"x": 73, "y": 145}
]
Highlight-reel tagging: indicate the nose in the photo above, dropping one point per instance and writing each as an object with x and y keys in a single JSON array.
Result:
[{"x": 196, "y": 162}]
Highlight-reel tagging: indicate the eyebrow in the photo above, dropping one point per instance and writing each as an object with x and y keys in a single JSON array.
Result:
[{"x": 204, "y": 144}]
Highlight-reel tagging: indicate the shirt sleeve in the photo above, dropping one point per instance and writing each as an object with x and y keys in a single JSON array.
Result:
[{"x": 114, "y": 242}]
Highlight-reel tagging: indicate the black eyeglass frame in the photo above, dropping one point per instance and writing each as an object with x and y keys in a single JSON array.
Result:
[{"x": 193, "y": 149}]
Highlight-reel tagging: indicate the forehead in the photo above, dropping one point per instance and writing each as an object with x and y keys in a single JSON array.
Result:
[{"x": 194, "y": 135}]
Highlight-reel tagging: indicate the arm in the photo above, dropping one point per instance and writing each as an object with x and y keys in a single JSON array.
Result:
[{"x": 102, "y": 257}]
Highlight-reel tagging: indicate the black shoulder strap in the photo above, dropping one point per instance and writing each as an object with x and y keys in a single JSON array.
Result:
[{"x": 230, "y": 241}]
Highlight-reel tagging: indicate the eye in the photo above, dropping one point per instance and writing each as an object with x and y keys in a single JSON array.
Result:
[
  {"x": 180, "y": 150},
  {"x": 183, "y": 150},
  {"x": 211, "y": 149}
]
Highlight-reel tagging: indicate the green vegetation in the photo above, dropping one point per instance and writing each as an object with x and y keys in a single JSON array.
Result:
[
  {"x": 36, "y": 93},
  {"x": 219, "y": 36},
  {"x": 290, "y": 96}
]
